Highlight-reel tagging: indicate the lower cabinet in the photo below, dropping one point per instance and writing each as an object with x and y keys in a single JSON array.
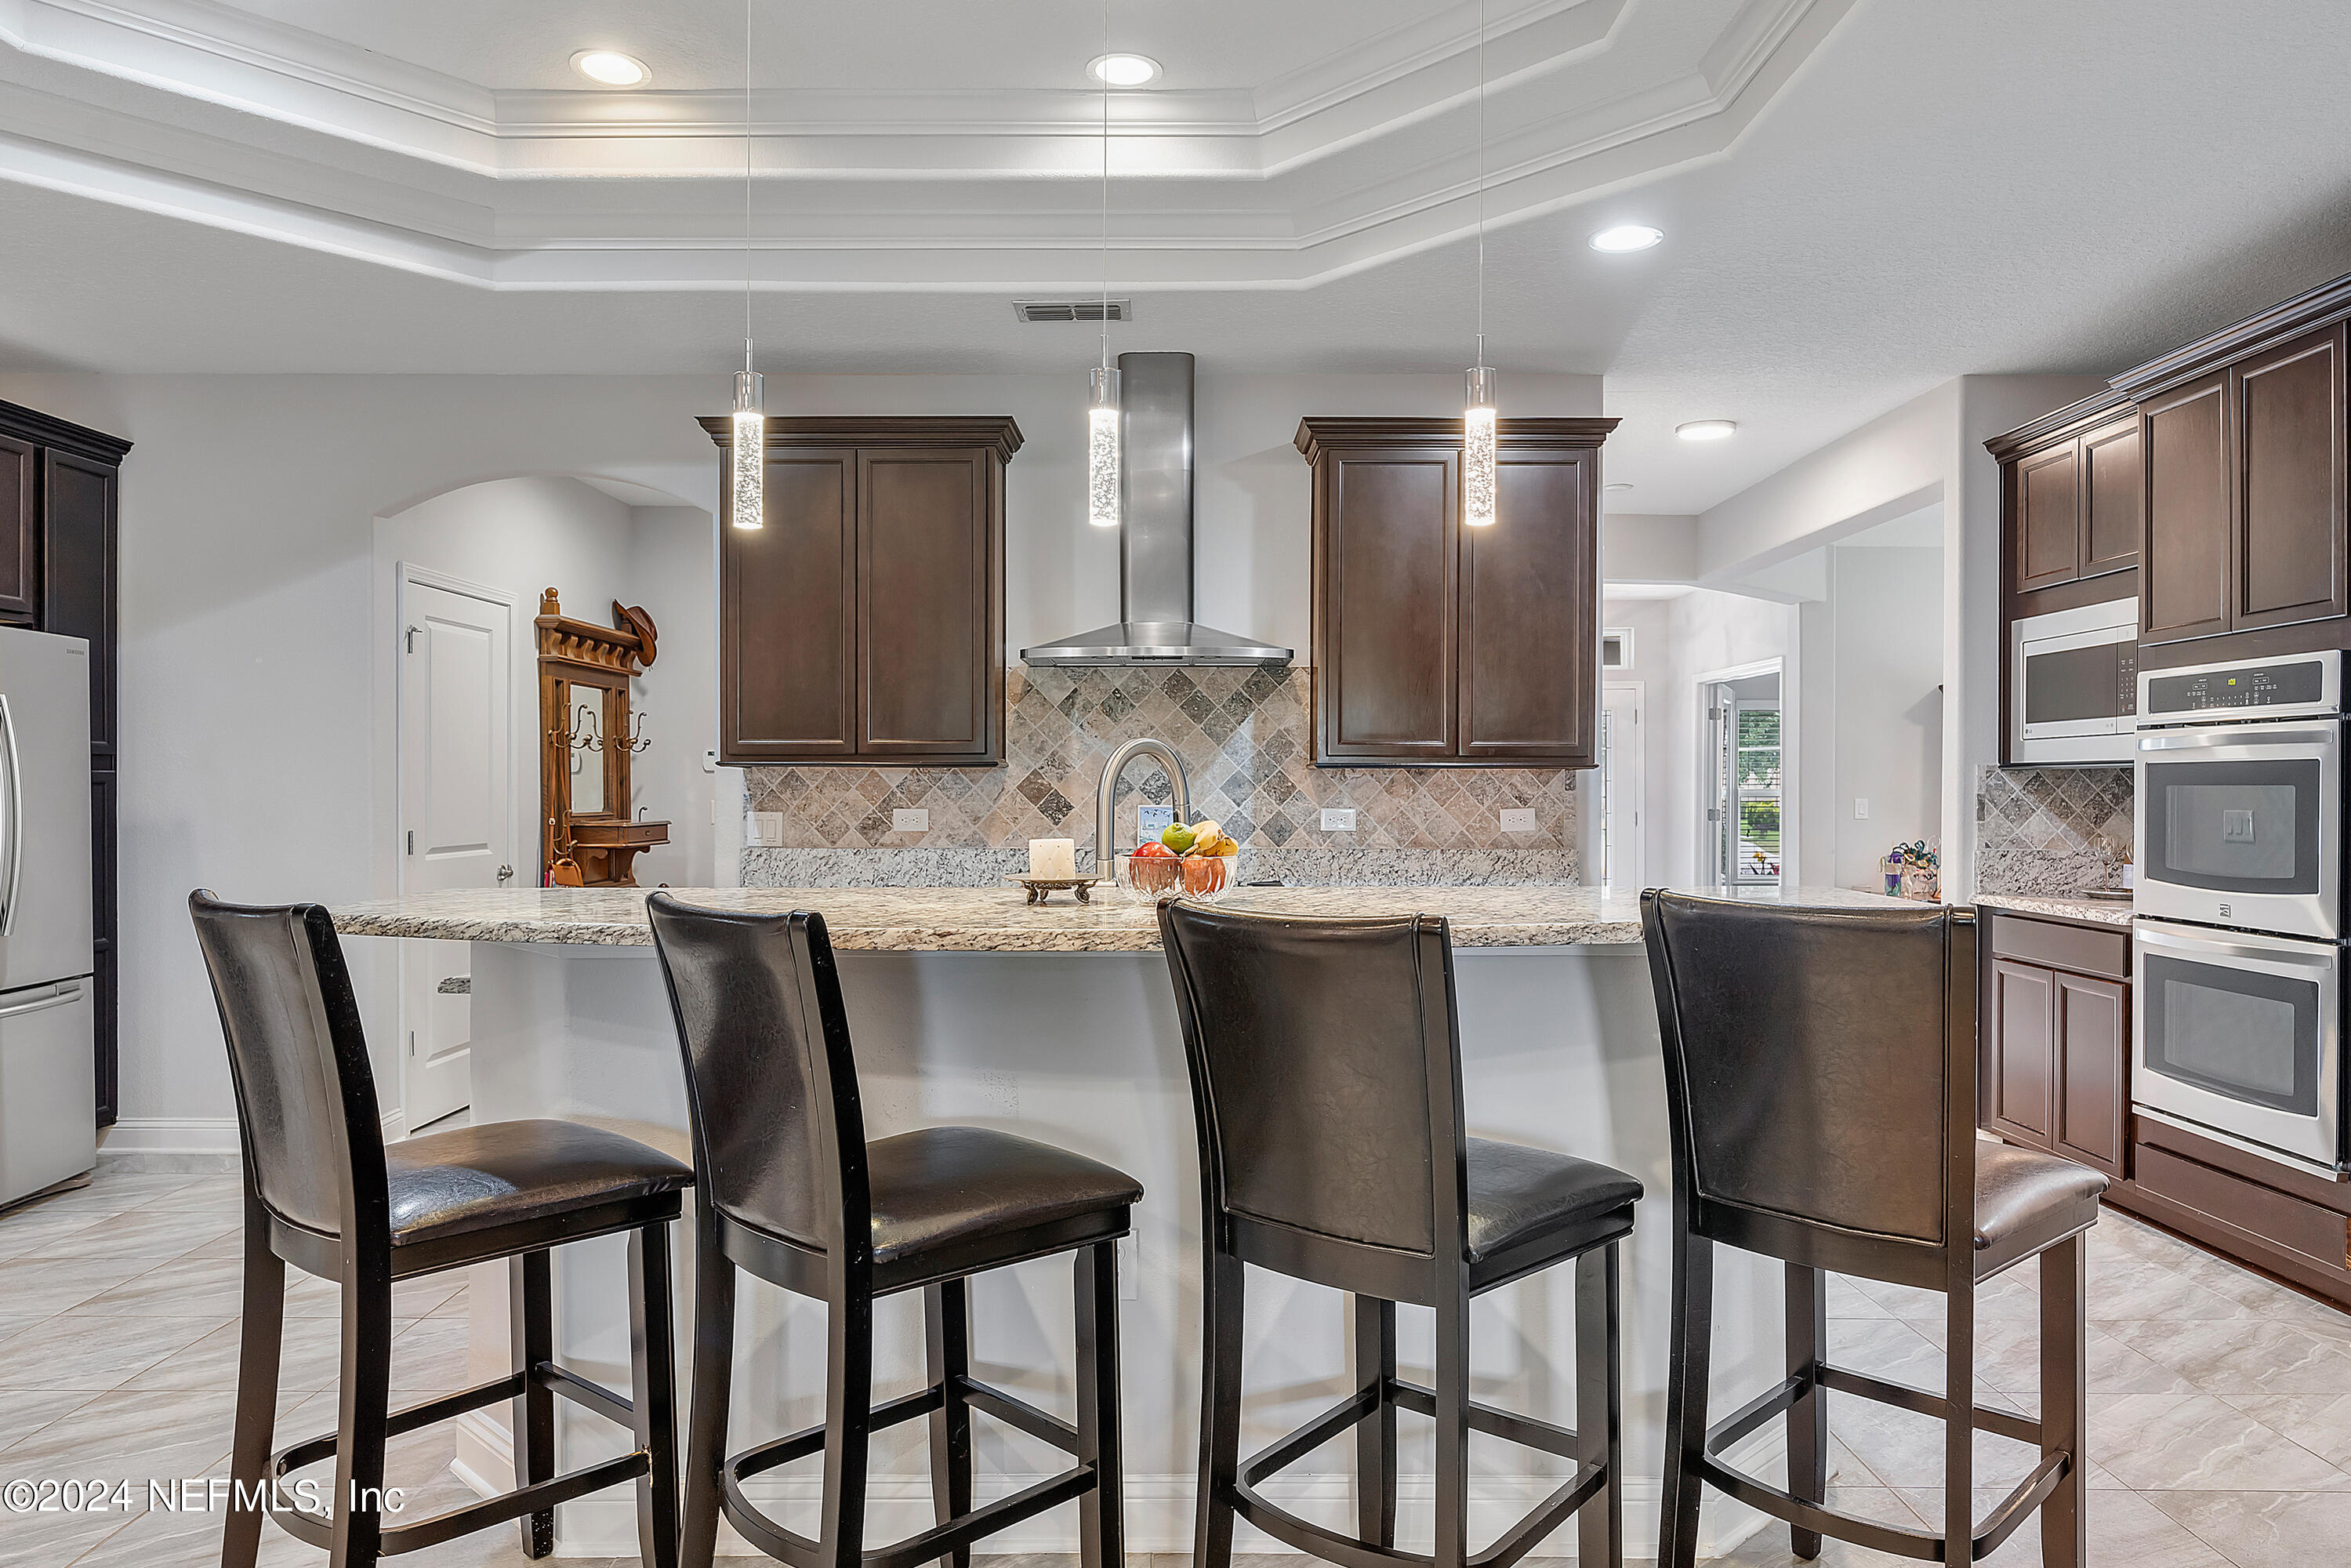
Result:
[{"x": 2054, "y": 1039}]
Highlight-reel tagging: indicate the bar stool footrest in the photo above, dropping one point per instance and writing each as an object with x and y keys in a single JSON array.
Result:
[
  {"x": 1352, "y": 1553},
  {"x": 319, "y": 1530}
]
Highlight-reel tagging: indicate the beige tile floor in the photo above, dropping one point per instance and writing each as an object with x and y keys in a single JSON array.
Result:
[{"x": 2219, "y": 1404}]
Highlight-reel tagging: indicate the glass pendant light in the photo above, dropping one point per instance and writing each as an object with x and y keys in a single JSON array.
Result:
[
  {"x": 1102, "y": 381},
  {"x": 1478, "y": 455},
  {"x": 746, "y": 499}
]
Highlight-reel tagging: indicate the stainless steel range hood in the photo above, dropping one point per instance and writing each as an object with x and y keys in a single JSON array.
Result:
[{"x": 1155, "y": 560}]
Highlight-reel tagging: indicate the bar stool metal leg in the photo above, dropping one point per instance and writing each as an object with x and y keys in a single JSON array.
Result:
[
  {"x": 1376, "y": 1438},
  {"x": 1451, "y": 1548},
  {"x": 364, "y": 1412},
  {"x": 1600, "y": 1403},
  {"x": 530, "y": 1287},
  {"x": 259, "y": 1349},
  {"x": 2064, "y": 1399},
  {"x": 714, "y": 1376},
  {"x": 1808, "y": 1416},
  {"x": 1220, "y": 1410},
  {"x": 1102, "y": 1537},
  {"x": 848, "y": 1423},
  {"x": 654, "y": 1394},
  {"x": 946, "y": 1322},
  {"x": 1685, "y": 1374},
  {"x": 1959, "y": 1427}
]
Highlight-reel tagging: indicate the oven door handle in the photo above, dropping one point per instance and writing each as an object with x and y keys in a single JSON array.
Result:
[
  {"x": 2206, "y": 947},
  {"x": 2215, "y": 739}
]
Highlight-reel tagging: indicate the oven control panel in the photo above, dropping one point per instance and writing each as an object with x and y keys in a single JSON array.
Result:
[{"x": 2306, "y": 684}]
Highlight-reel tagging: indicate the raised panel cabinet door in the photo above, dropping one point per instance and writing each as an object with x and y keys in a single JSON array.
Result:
[
  {"x": 2049, "y": 516},
  {"x": 2114, "y": 498},
  {"x": 19, "y": 527},
  {"x": 924, "y": 577},
  {"x": 1529, "y": 607},
  {"x": 2093, "y": 1057},
  {"x": 2288, "y": 564},
  {"x": 2183, "y": 587},
  {"x": 1387, "y": 619},
  {"x": 2024, "y": 1049},
  {"x": 788, "y": 614},
  {"x": 77, "y": 578}
]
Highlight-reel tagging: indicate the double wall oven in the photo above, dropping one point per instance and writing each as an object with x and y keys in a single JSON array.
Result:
[{"x": 2237, "y": 951}]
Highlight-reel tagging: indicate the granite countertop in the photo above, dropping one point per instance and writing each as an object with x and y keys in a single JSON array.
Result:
[
  {"x": 2096, "y": 910},
  {"x": 993, "y": 920}
]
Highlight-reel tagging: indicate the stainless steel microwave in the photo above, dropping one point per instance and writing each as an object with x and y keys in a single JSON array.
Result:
[{"x": 2073, "y": 693}]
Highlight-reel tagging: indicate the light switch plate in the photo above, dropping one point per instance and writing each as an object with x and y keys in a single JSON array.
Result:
[
  {"x": 766, "y": 829},
  {"x": 1518, "y": 820},
  {"x": 1861, "y": 808},
  {"x": 1338, "y": 818},
  {"x": 914, "y": 820},
  {"x": 1150, "y": 821}
]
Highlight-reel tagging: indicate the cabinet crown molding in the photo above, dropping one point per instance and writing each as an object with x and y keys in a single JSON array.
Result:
[
  {"x": 997, "y": 430},
  {"x": 47, "y": 430},
  {"x": 1318, "y": 434},
  {"x": 2102, "y": 408},
  {"x": 2319, "y": 307}
]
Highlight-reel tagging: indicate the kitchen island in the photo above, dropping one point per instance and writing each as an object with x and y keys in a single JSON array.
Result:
[{"x": 1057, "y": 1021}]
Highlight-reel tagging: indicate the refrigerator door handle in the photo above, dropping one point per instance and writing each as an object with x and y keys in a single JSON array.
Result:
[
  {"x": 16, "y": 819},
  {"x": 68, "y": 992}
]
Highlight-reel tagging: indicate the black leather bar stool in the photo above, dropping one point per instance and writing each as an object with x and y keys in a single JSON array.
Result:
[
  {"x": 323, "y": 1192},
  {"x": 1821, "y": 1076},
  {"x": 792, "y": 1192},
  {"x": 1326, "y": 1078}
]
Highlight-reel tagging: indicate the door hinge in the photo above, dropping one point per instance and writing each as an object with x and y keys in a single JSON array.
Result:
[
  {"x": 412, "y": 841},
  {"x": 412, "y": 1042},
  {"x": 1713, "y": 815}
]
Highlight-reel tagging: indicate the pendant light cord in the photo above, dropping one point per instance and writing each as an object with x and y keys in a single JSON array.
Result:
[
  {"x": 747, "y": 183},
  {"x": 1105, "y": 191},
  {"x": 1481, "y": 182}
]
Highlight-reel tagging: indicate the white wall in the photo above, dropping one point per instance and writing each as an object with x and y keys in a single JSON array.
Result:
[
  {"x": 1887, "y": 719},
  {"x": 251, "y": 759},
  {"x": 671, "y": 572}
]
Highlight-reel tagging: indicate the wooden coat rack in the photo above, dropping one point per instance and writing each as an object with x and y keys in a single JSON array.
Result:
[{"x": 584, "y": 671}]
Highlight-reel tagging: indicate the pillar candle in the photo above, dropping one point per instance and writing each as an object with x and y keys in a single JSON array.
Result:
[{"x": 1054, "y": 859}]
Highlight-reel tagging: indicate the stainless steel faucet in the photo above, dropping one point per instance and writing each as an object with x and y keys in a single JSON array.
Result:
[{"x": 1105, "y": 815}]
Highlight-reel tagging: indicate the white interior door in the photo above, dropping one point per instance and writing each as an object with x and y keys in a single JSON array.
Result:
[
  {"x": 1623, "y": 786},
  {"x": 456, "y": 815}
]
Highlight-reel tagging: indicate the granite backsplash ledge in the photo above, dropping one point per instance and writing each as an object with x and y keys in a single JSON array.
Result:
[
  {"x": 2051, "y": 830},
  {"x": 1246, "y": 738}
]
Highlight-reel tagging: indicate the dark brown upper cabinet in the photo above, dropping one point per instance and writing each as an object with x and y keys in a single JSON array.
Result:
[
  {"x": 1438, "y": 646},
  {"x": 2248, "y": 535},
  {"x": 2072, "y": 494},
  {"x": 20, "y": 529},
  {"x": 865, "y": 621}
]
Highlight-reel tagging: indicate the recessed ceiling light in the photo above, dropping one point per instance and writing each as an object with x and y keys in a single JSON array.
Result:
[
  {"x": 1123, "y": 71},
  {"x": 610, "y": 67},
  {"x": 1627, "y": 236},
  {"x": 1707, "y": 429}
]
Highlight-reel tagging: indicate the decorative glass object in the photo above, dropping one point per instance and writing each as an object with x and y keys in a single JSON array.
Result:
[
  {"x": 1101, "y": 447},
  {"x": 747, "y": 503},
  {"x": 1477, "y": 450}
]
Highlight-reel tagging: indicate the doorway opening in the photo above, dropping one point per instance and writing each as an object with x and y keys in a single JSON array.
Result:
[
  {"x": 1621, "y": 780},
  {"x": 1743, "y": 801}
]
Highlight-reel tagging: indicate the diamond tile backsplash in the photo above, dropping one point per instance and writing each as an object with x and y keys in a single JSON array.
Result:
[
  {"x": 1247, "y": 741},
  {"x": 2051, "y": 830}
]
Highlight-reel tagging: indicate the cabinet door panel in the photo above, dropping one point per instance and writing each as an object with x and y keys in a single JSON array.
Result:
[
  {"x": 923, "y": 572},
  {"x": 2289, "y": 560},
  {"x": 1529, "y": 604},
  {"x": 2114, "y": 494},
  {"x": 2023, "y": 1057},
  {"x": 2183, "y": 584},
  {"x": 788, "y": 657},
  {"x": 1389, "y": 610},
  {"x": 19, "y": 528},
  {"x": 2048, "y": 517},
  {"x": 77, "y": 589},
  {"x": 2093, "y": 1054}
]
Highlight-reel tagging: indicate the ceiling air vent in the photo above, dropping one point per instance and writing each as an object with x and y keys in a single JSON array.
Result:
[{"x": 1073, "y": 309}]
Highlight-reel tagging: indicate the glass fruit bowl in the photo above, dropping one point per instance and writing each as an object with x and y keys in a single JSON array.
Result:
[{"x": 1189, "y": 876}]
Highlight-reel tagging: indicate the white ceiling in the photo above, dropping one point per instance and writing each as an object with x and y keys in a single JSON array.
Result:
[{"x": 1861, "y": 197}]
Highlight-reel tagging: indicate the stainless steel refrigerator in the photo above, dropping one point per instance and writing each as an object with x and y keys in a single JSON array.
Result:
[{"x": 48, "y": 1085}]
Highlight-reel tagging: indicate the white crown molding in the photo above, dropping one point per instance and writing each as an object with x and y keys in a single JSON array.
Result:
[{"x": 1353, "y": 161}]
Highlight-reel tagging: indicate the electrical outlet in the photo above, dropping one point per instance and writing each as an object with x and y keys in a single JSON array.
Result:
[
  {"x": 1338, "y": 818},
  {"x": 1518, "y": 820},
  {"x": 1150, "y": 821},
  {"x": 766, "y": 829},
  {"x": 903, "y": 820},
  {"x": 1127, "y": 1289},
  {"x": 1861, "y": 808}
]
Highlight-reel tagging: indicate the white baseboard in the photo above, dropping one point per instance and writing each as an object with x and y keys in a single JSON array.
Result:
[
  {"x": 171, "y": 1144},
  {"x": 1159, "y": 1507}
]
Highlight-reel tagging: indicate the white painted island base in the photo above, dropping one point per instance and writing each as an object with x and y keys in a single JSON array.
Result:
[{"x": 1082, "y": 1050}]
